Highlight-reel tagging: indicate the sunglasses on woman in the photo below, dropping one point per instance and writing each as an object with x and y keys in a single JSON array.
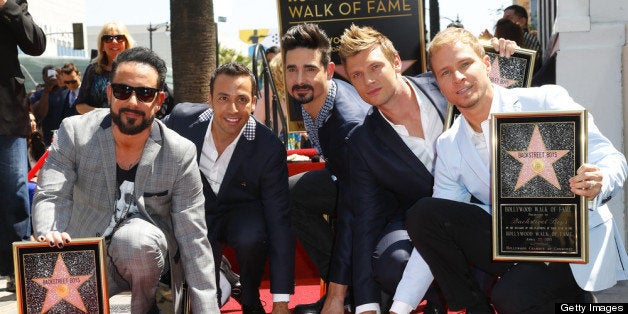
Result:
[
  {"x": 110, "y": 38},
  {"x": 143, "y": 94}
]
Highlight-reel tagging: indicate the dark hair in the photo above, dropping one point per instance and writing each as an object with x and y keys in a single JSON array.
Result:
[
  {"x": 519, "y": 10},
  {"x": 233, "y": 69},
  {"x": 273, "y": 49},
  {"x": 309, "y": 36},
  {"x": 142, "y": 55},
  {"x": 507, "y": 29},
  {"x": 69, "y": 67}
]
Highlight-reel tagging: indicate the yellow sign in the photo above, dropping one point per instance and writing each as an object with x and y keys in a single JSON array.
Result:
[{"x": 253, "y": 36}]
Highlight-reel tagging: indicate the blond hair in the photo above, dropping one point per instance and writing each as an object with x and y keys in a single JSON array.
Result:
[
  {"x": 450, "y": 36},
  {"x": 357, "y": 39},
  {"x": 102, "y": 60}
]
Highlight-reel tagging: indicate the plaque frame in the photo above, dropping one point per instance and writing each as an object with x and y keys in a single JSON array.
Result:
[
  {"x": 520, "y": 53},
  {"x": 40, "y": 255},
  {"x": 535, "y": 216}
]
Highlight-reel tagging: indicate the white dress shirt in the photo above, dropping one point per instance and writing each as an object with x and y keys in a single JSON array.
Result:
[{"x": 415, "y": 281}]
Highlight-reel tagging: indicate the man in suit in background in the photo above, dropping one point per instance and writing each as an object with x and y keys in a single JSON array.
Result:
[
  {"x": 17, "y": 29},
  {"x": 245, "y": 182},
  {"x": 452, "y": 231},
  {"x": 330, "y": 109},
  {"x": 392, "y": 154},
  {"x": 124, "y": 159}
]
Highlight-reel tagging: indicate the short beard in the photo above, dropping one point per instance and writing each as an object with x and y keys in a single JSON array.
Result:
[
  {"x": 131, "y": 128},
  {"x": 305, "y": 99}
]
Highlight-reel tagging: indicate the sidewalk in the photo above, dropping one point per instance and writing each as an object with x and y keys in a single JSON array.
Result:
[{"x": 121, "y": 303}]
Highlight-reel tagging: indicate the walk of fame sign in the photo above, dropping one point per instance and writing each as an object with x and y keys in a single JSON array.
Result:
[
  {"x": 68, "y": 280},
  {"x": 536, "y": 217}
]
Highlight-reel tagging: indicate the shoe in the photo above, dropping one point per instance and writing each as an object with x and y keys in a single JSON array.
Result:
[
  {"x": 312, "y": 308},
  {"x": 10, "y": 283},
  {"x": 255, "y": 309},
  {"x": 317, "y": 307},
  {"x": 233, "y": 278},
  {"x": 432, "y": 308}
]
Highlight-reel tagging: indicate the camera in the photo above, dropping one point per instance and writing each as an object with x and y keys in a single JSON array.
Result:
[{"x": 52, "y": 73}]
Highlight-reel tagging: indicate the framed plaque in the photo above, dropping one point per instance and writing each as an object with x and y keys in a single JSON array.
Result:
[
  {"x": 68, "y": 280},
  {"x": 511, "y": 72},
  {"x": 514, "y": 71},
  {"x": 536, "y": 217}
]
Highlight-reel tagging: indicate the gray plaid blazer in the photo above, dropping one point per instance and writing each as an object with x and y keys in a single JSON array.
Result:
[{"x": 77, "y": 188}]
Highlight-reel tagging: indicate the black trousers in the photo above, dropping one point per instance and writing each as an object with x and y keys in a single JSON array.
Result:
[
  {"x": 453, "y": 237},
  {"x": 312, "y": 195}
]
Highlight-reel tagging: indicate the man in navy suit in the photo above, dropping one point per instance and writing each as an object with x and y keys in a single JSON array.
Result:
[
  {"x": 330, "y": 108},
  {"x": 245, "y": 182},
  {"x": 452, "y": 230},
  {"x": 392, "y": 156}
]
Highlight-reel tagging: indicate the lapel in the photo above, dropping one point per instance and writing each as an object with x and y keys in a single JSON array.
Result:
[
  {"x": 243, "y": 151},
  {"x": 108, "y": 157},
  {"x": 151, "y": 149},
  {"x": 198, "y": 129},
  {"x": 390, "y": 138},
  {"x": 471, "y": 156}
]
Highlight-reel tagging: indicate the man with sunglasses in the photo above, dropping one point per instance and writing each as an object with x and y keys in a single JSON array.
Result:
[
  {"x": 245, "y": 182},
  {"x": 48, "y": 103},
  {"x": 123, "y": 159},
  {"x": 71, "y": 78}
]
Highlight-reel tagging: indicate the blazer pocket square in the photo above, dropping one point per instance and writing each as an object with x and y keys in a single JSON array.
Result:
[{"x": 148, "y": 194}]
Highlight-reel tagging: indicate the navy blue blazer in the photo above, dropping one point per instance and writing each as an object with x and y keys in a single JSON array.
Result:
[
  {"x": 257, "y": 177},
  {"x": 386, "y": 179},
  {"x": 348, "y": 111}
]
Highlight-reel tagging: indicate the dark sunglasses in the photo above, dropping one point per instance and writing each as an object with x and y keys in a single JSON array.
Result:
[
  {"x": 70, "y": 82},
  {"x": 143, "y": 94},
  {"x": 110, "y": 38}
]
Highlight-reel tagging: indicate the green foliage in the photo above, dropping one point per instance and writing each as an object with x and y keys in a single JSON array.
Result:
[{"x": 231, "y": 55}]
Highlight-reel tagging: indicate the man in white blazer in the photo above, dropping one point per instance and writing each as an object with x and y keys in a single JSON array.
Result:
[
  {"x": 122, "y": 175},
  {"x": 452, "y": 230}
]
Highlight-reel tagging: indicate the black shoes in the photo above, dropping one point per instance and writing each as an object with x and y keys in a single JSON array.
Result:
[
  {"x": 233, "y": 278},
  {"x": 317, "y": 307},
  {"x": 255, "y": 309},
  {"x": 312, "y": 308}
]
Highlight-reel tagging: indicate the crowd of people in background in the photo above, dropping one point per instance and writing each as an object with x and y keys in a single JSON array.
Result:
[{"x": 169, "y": 187}]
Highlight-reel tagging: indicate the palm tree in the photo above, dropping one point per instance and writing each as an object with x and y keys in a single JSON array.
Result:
[{"x": 193, "y": 44}]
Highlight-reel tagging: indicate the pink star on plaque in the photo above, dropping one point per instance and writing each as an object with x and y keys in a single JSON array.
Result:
[
  {"x": 62, "y": 286},
  {"x": 537, "y": 161},
  {"x": 495, "y": 75}
]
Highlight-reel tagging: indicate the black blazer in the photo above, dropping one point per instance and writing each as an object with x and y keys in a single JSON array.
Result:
[
  {"x": 16, "y": 29},
  {"x": 348, "y": 111},
  {"x": 257, "y": 177},
  {"x": 386, "y": 179}
]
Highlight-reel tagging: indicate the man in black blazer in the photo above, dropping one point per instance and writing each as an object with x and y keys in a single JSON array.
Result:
[
  {"x": 17, "y": 29},
  {"x": 392, "y": 156},
  {"x": 245, "y": 182},
  {"x": 330, "y": 108}
]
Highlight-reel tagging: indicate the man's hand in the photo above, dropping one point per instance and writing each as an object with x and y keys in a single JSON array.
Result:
[
  {"x": 587, "y": 181},
  {"x": 2, "y": 2},
  {"x": 335, "y": 301},
  {"x": 55, "y": 238},
  {"x": 505, "y": 47},
  {"x": 50, "y": 84},
  {"x": 280, "y": 308}
]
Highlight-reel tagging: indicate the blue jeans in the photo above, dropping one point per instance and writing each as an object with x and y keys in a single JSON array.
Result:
[{"x": 14, "y": 207}]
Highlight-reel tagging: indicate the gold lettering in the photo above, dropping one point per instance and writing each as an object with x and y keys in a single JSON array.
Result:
[{"x": 344, "y": 8}]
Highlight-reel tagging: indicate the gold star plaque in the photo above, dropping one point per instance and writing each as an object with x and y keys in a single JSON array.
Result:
[
  {"x": 536, "y": 216},
  {"x": 68, "y": 280}
]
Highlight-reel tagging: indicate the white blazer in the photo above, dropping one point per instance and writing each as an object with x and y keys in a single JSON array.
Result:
[{"x": 461, "y": 173}]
